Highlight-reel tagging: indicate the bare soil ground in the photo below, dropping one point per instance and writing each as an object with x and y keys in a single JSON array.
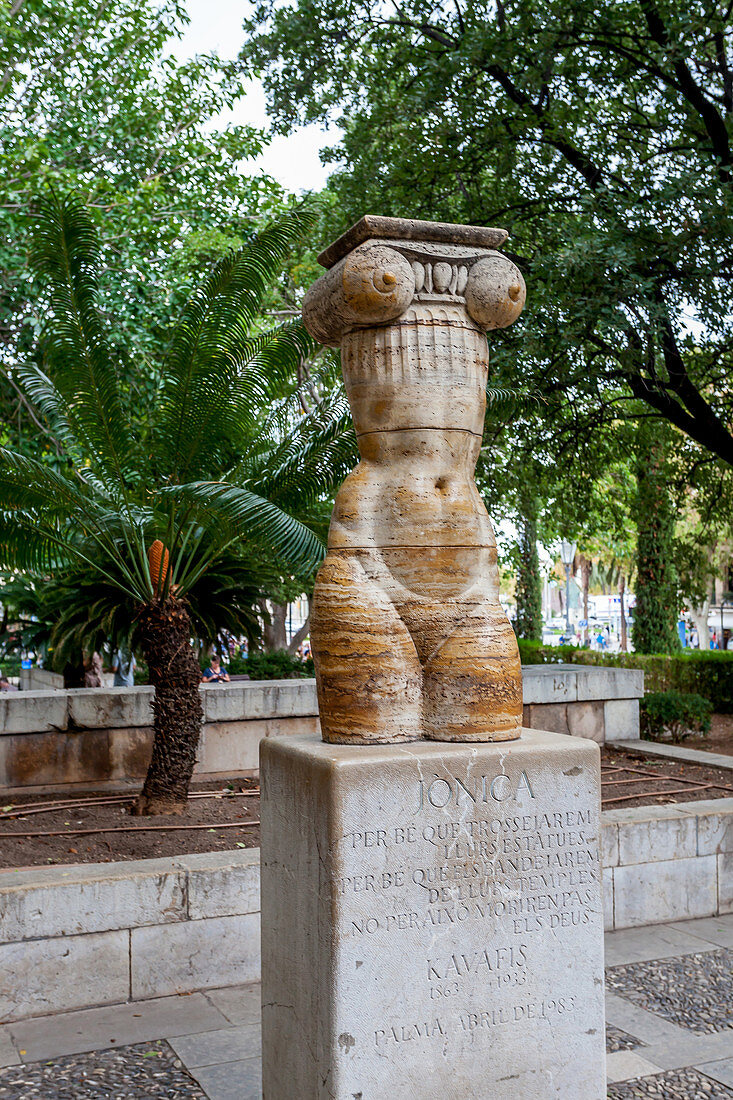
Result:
[
  {"x": 720, "y": 738},
  {"x": 88, "y": 831},
  {"x": 630, "y": 780}
]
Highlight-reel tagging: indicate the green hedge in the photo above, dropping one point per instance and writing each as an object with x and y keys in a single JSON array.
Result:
[
  {"x": 271, "y": 666},
  {"x": 708, "y": 672}
]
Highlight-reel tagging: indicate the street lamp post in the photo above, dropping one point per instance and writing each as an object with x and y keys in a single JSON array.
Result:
[{"x": 567, "y": 554}]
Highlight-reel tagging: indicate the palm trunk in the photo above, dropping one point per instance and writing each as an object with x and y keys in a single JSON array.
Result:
[
  {"x": 622, "y": 593},
  {"x": 164, "y": 630}
]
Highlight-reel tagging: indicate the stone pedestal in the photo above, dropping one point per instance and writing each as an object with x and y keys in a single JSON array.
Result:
[{"x": 431, "y": 920}]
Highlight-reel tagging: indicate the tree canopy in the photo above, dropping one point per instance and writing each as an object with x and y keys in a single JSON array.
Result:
[
  {"x": 601, "y": 136},
  {"x": 94, "y": 99}
]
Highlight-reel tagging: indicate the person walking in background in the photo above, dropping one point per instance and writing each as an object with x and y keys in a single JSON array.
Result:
[{"x": 123, "y": 666}]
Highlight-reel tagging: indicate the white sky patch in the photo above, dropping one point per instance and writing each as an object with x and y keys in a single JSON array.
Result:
[{"x": 216, "y": 26}]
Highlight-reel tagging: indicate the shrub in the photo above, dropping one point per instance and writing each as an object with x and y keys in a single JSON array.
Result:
[
  {"x": 674, "y": 715},
  {"x": 10, "y": 665}
]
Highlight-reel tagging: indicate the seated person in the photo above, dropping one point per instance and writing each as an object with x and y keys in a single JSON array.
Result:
[{"x": 216, "y": 673}]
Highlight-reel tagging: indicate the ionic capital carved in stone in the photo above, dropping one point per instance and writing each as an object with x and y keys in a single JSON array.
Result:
[{"x": 377, "y": 280}]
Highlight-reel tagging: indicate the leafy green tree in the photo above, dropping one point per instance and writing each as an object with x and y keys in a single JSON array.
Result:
[
  {"x": 600, "y": 134},
  {"x": 93, "y": 98},
  {"x": 655, "y": 617},
  {"x": 529, "y": 580},
  {"x": 150, "y": 501}
]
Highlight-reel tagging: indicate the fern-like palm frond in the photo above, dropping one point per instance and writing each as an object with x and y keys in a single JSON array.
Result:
[
  {"x": 312, "y": 460},
  {"x": 225, "y": 466},
  {"x": 27, "y": 545},
  {"x": 27, "y": 484},
  {"x": 213, "y": 341},
  {"x": 246, "y": 515},
  {"x": 75, "y": 350}
]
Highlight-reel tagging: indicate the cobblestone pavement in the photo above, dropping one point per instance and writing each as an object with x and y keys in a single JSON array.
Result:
[
  {"x": 147, "y": 1071},
  {"x": 669, "y": 1033},
  {"x": 616, "y": 1039},
  {"x": 693, "y": 991},
  {"x": 686, "y": 1084}
]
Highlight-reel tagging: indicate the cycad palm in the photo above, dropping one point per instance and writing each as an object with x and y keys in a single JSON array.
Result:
[{"x": 200, "y": 471}]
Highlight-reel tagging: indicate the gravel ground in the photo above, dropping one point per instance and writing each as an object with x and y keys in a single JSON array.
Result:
[
  {"x": 692, "y": 991},
  {"x": 676, "y": 1084},
  {"x": 616, "y": 1039},
  {"x": 146, "y": 1071}
]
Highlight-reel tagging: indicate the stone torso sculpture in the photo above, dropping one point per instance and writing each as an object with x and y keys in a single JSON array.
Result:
[{"x": 408, "y": 635}]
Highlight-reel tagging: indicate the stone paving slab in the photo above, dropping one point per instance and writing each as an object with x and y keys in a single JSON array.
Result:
[
  {"x": 232, "y": 1080},
  {"x": 658, "y": 941},
  {"x": 241, "y": 1004},
  {"x": 9, "y": 1055},
  {"x": 647, "y": 1027},
  {"x": 231, "y": 1044},
  {"x": 717, "y": 930},
  {"x": 147, "y": 1071},
  {"x": 119, "y": 1025},
  {"x": 690, "y": 1050},
  {"x": 625, "y": 1064},
  {"x": 721, "y": 1071}
]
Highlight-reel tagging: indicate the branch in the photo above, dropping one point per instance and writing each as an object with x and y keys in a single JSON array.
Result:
[{"x": 693, "y": 93}]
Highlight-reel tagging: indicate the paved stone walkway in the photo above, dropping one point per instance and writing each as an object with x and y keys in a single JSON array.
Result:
[{"x": 669, "y": 1010}]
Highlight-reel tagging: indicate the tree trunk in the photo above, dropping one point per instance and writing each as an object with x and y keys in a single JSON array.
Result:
[
  {"x": 529, "y": 581},
  {"x": 164, "y": 630},
  {"x": 655, "y": 617},
  {"x": 274, "y": 633},
  {"x": 622, "y": 595},
  {"x": 300, "y": 634},
  {"x": 586, "y": 566}
]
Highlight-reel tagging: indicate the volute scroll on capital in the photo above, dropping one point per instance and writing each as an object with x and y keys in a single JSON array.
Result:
[{"x": 375, "y": 283}]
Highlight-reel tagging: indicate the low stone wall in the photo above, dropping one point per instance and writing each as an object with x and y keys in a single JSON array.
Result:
[
  {"x": 667, "y": 863},
  {"x": 584, "y": 701},
  {"x": 40, "y": 679},
  {"x": 72, "y": 937},
  {"x": 100, "y": 735}
]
